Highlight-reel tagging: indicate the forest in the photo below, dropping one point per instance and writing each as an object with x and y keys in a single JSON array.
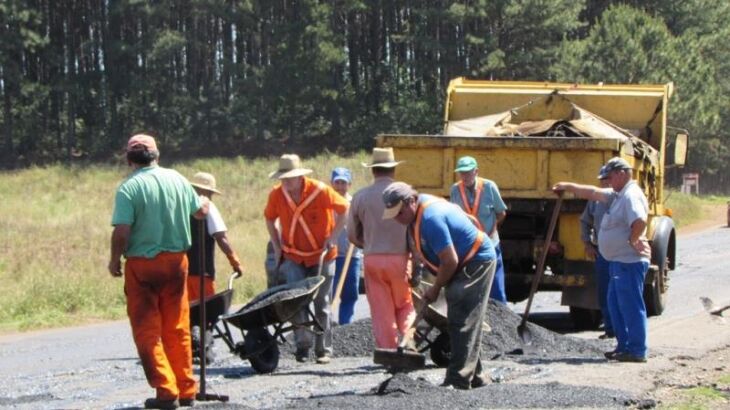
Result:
[{"x": 255, "y": 78}]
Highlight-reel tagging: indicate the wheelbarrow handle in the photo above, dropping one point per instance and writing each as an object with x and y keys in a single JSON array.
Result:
[{"x": 234, "y": 275}]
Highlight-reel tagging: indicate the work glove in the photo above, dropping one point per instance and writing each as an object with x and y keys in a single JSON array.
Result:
[{"x": 235, "y": 262}]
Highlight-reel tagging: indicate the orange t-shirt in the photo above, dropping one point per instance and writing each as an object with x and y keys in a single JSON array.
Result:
[{"x": 318, "y": 215}]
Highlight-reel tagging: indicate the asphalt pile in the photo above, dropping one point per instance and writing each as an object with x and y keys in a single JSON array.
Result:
[
  {"x": 356, "y": 340},
  {"x": 278, "y": 294}
]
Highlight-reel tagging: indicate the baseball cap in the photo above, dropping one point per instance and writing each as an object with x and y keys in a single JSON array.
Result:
[
  {"x": 393, "y": 197},
  {"x": 141, "y": 141},
  {"x": 602, "y": 174},
  {"x": 466, "y": 164},
  {"x": 341, "y": 174},
  {"x": 615, "y": 164}
]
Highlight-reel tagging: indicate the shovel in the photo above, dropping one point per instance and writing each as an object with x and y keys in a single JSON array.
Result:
[
  {"x": 343, "y": 275},
  {"x": 400, "y": 359},
  {"x": 710, "y": 307},
  {"x": 522, "y": 329}
]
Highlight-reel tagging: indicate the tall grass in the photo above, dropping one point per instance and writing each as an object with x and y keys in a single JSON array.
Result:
[{"x": 56, "y": 225}]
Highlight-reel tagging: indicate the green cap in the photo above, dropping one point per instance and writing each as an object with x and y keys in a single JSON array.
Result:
[{"x": 466, "y": 164}]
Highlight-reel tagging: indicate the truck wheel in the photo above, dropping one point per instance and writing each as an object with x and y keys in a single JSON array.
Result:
[
  {"x": 663, "y": 252},
  {"x": 654, "y": 296},
  {"x": 585, "y": 319},
  {"x": 267, "y": 360}
]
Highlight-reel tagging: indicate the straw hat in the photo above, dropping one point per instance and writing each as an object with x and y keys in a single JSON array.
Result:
[
  {"x": 290, "y": 166},
  {"x": 204, "y": 180},
  {"x": 383, "y": 158}
]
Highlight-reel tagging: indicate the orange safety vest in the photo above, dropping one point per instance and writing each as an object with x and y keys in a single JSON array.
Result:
[
  {"x": 416, "y": 233},
  {"x": 298, "y": 220},
  {"x": 474, "y": 209}
]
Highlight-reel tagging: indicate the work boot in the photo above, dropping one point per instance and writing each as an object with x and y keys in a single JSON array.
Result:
[
  {"x": 611, "y": 355},
  {"x": 607, "y": 336},
  {"x": 302, "y": 355},
  {"x": 323, "y": 359},
  {"x": 627, "y": 357},
  {"x": 187, "y": 402},
  {"x": 155, "y": 403}
]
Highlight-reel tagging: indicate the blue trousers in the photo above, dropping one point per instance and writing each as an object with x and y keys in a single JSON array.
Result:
[
  {"x": 626, "y": 306},
  {"x": 350, "y": 289},
  {"x": 498, "y": 292},
  {"x": 602, "y": 279}
]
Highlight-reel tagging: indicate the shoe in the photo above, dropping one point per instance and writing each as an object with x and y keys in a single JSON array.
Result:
[
  {"x": 611, "y": 355},
  {"x": 155, "y": 403},
  {"x": 323, "y": 359},
  {"x": 187, "y": 402},
  {"x": 606, "y": 336},
  {"x": 478, "y": 381},
  {"x": 629, "y": 358},
  {"x": 302, "y": 355}
]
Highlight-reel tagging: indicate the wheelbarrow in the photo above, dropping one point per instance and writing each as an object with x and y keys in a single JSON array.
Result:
[
  {"x": 215, "y": 306},
  {"x": 434, "y": 318},
  {"x": 275, "y": 308}
]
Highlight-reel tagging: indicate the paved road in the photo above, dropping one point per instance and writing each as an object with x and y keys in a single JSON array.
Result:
[{"x": 96, "y": 365}]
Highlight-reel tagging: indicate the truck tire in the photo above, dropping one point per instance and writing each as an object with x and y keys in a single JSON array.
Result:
[
  {"x": 662, "y": 256},
  {"x": 585, "y": 319}
]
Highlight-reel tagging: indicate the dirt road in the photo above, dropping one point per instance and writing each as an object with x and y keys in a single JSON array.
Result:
[{"x": 96, "y": 366}]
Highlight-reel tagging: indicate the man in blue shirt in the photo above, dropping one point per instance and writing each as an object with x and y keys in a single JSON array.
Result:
[
  {"x": 463, "y": 259},
  {"x": 480, "y": 198}
]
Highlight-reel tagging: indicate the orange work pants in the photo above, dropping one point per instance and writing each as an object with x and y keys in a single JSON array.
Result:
[
  {"x": 194, "y": 287},
  {"x": 159, "y": 313},
  {"x": 389, "y": 296}
]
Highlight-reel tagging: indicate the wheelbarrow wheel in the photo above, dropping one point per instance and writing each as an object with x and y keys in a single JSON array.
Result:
[
  {"x": 267, "y": 359},
  {"x": 441, "y": 350}
]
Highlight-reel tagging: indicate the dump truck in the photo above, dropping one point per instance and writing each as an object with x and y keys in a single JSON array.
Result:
[{"x": 527, "y": 136}]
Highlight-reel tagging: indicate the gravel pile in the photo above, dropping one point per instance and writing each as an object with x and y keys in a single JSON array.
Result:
[
  {"x": 356, "y": 340},
  {"x": 280, "y": 293}
]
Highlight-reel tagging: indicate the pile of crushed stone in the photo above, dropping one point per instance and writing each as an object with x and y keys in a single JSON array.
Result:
[{"x": 356, "y": 340}]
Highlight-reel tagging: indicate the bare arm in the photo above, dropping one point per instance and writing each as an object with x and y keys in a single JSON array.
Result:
[
  {"x": 589, "y": 192},
  {"x": 636, "y": 239},
  {"x": 119, "y": 241},
  {"x": 204, "y": 206},
  {"x": 499, "y": 217},
  {"x": 354, "y": 232},
  {"x": 274, "y": 237},
  {"x": 447, "y": 268},
  {"x": 222, "y": 240},
  {"x": 340, "y": 220}
]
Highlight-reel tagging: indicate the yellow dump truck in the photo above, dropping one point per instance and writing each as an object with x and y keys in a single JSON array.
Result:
[{"x": 526, "y": 136}]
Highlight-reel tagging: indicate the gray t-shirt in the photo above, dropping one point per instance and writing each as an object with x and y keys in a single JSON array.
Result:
[
  {"x": 591, "y": 218},
  {"x": 613, "y": 238}
]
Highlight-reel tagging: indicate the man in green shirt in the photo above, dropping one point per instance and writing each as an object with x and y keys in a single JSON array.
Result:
[{"x": 151, "y": 220}]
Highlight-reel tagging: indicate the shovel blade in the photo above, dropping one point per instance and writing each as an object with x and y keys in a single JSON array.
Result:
[
  {"x": 524, "y": 333},
  {"x": 399, "y": 359}
]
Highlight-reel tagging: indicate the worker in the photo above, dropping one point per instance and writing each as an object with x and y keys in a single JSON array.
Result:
[
  {"x": 386, "y": 263},
  {"x": 341, "y": 181},
  {"x": 463, "y": 259},
  {"x": 480, "y": 198},
  {"x": 622, "y": 241},
  {"x": 590, "y": 224},
  {"x": 214, "y": 231},
  {"x": 151, "y": 220},
  {"x": 311, "y": 215}
]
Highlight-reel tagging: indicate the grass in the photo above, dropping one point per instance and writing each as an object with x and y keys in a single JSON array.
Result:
[
  {"x": 56, "y": 221},
  {"x": 688, "y": 209},
  {"x": 699, "y": 398},
  {"x": 56, "y": 231}
]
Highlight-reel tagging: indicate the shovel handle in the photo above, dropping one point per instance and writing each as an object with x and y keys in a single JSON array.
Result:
[
  {"x": 541, "y": 263},
  {"x": 408, "y": 335},
  {"x": 343, "y": 274}
]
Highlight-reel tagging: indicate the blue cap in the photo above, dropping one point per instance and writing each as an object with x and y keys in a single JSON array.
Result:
[
  {"x": 603, "y": 173},
  {"x": 341, "y": 174}
]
